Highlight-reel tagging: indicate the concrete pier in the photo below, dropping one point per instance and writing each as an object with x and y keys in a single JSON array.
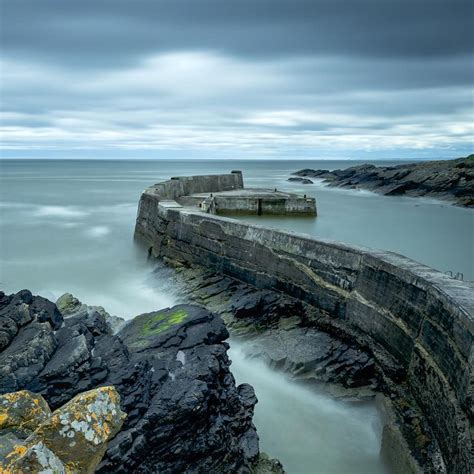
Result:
[
  {"x": 225, "y": 194},
  {"x": 418, "y": 323}
]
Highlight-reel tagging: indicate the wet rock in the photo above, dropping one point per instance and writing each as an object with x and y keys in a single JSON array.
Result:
[
  {"x": 170, "y": 367},
  {"x": 300, "y": 180},
  {"x": 449, "y": 179},
  {"x": 311, "y": 355},
  {"x": 70, "y": 306},
  {"x": 274, "y": 327},
  {"x": 266, "y": 465}
]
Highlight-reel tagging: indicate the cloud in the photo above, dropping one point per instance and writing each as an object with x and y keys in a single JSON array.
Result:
[
  {"x": 117, "y": 32},
  {"x": 280, "y": 77}
]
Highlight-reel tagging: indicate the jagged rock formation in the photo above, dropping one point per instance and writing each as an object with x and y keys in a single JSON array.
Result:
[
  {"x": 69, "y": 305},
  {"x": 71, "y": 439},
  {"x": 452, "y": 180},
  {"x": 184, "y": 412}
]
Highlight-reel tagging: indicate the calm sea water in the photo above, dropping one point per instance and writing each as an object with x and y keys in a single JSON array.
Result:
[{"x": 68, "y": 226}]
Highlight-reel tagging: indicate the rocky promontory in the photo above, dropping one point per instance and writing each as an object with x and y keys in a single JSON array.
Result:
[
  {"x": 170, "y": 368},
  {"x": 451, "y": 180}
]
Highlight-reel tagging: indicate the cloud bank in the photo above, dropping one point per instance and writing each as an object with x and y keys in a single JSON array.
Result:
[{"x": 319, "y": 78}]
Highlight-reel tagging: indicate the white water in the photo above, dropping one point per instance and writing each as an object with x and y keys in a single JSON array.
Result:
[{"x": 310, "y": 433}]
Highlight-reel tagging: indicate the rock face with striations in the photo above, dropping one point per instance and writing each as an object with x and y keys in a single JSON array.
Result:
[
  {"x": 452, "y": 180},
  {"x": 184, "y": 411}
]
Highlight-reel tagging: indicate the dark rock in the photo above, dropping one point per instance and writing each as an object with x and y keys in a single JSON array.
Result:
[
  {"x": 301, "y": 180},
  {"x": 265, "y": 465},
  {"x": 70, "y": 306},
  {"x": 449, "y": 179},
  {"x": 272, "y": 327},
  {"x": 184, "y": 411},
  {"x": 311, "y": 355}
]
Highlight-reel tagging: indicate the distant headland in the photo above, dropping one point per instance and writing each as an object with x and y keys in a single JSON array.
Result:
[{"x": 451, "y": 180}]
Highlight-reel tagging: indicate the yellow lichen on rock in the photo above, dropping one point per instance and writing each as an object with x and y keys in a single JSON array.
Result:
[
  {"x": 23, "y": 411},
  {"x": 34, "y": 457},
  {"x": 72, "y": 439}
]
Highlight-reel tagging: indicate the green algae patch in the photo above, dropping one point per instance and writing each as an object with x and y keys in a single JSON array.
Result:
[
  {"x": 160, "y": 322},
  {"x": 145, "y": 330}
]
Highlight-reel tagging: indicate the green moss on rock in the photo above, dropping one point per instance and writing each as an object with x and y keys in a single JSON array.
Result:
[{"x": 161, "y": 321}]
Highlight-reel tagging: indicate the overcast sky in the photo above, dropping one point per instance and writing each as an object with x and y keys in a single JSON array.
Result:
[{"x": 237, "y": 78}]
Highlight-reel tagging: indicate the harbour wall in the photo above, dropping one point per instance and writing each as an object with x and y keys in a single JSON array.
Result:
[
  {"x": 256, "y": 204},
  {"x": 419, "y": 322},
  {"x": 251, "y": 201},
  {"x": 176, "y": 187}
]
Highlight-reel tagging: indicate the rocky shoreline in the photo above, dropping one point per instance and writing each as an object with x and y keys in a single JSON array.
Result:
[
  {"x": 289, "y": 336},
  {"x": 170, "y": 368},
  {"x": 451, "y": 180}
]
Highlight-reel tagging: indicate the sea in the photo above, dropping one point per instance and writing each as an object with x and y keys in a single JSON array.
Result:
[{"x": 67, "y": 226}]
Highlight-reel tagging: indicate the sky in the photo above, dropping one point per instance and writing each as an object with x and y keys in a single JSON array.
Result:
[{"x": 236, "y": 78}]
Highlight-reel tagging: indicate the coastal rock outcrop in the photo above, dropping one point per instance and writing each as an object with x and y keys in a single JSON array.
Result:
[
  {"x": 170, "y": 367},
  {"x": 69, "y": 305},
  {"x": 71, "y": 439},
  {"x": 276, "y": 328},
  {"x": 300, "y": 180},
  {"x": 451, "y": 180}
]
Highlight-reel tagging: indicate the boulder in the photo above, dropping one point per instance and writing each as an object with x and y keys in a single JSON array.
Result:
[
  {"x": 78, "y": 432},
  {"x": 72, "y": 439},
  {"x": 21, "y": 412},
  {"x": 69, "y": 305}
]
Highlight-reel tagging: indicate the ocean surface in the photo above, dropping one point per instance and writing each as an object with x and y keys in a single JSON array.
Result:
[{"x": 67, "y": 226}]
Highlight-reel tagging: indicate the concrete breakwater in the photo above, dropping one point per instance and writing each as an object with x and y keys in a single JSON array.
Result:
[
  {"x": 417, "y": 322},
  {"x": 225, "y": 194}
]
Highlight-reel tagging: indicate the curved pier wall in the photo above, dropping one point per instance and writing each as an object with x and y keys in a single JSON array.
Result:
[
  {"x": 174, "y": 188},
  {"x": 418, "y": 320}
]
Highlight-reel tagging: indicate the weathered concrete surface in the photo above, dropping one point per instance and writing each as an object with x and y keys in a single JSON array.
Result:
[
  {"x": 418, "y": 322},
  {"x": 225, "y": 194},
  {"x": 186, "y": 185},
  {"x": 254, "y": 201}
]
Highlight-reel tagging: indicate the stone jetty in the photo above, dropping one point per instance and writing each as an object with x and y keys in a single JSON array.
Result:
[
  {"x": 225, "y": 194},
  {"x": 414, "y": 323}
]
